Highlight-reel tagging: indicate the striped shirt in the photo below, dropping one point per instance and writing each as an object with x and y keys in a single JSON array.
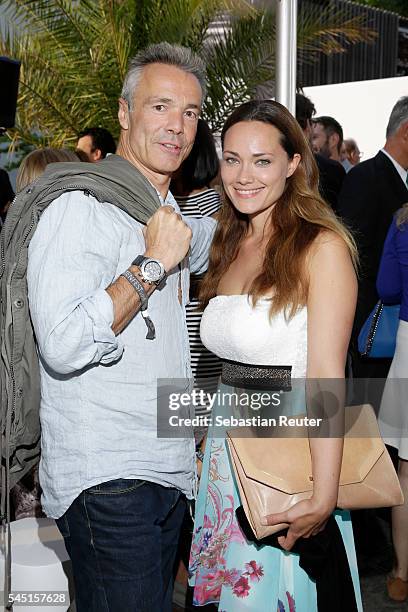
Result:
[
  {"x": 205, "y": 366},
  {"x": 199, "y": 205}
]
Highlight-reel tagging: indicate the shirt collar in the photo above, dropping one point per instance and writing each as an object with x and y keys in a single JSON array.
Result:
[
  {"x": 168, "y": 201},
  {"x": 401, "y": 171}
]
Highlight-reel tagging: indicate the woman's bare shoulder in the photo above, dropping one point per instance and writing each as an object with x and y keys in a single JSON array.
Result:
[{"x": 327, "y": 244}]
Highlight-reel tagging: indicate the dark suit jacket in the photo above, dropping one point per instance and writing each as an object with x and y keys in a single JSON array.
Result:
[
  {"x": 331, "y": 177},
  {"x": 372, "y": 192}
]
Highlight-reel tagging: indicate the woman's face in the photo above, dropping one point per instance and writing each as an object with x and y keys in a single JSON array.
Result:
[{"x": 255, "y": 167}]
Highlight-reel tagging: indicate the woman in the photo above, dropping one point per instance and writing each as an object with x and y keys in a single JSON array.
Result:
[
  {"x": 392, "y": 286},
  {"x": 34, "y": 164},
  {"x": 280, "y": 267}
]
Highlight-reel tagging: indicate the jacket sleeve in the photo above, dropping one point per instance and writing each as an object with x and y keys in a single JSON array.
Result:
[
  {"x": 389, "y": 280},
  {"x": 73, "y": 257}
]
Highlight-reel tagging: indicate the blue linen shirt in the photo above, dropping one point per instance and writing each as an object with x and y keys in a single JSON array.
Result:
[
  {"x": 99, "y": 391},
  {"x": 392, "y": 280}
]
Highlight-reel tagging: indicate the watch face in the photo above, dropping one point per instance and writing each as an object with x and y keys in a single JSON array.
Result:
[{"x": 152, "y": 270}]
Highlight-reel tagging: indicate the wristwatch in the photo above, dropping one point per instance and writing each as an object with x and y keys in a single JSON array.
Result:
[{"x": 152, "y": 270}]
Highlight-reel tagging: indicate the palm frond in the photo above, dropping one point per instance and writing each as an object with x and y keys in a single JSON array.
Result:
[
  {"x": 74, "y": 54},
  {"x": 235, "y": 66},
  {"x": 328, "y": 32}
]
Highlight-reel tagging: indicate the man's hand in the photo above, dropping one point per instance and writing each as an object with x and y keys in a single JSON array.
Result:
[{"x": 167, "y": 237}]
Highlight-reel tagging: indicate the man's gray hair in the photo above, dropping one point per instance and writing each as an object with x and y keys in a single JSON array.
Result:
[
  {"x": 162, "y": 53},
  {"x": 399, "y": 115}
]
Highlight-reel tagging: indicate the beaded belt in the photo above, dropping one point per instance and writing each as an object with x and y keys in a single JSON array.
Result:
[{"x": 249, "y": 376}]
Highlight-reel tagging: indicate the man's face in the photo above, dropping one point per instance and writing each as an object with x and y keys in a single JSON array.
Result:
[
  {"x": 320, "y": 140},
  {"x": 355, "y": 156},
  {"x": 158, "y": 133},
  {"x": 85, "y": 144}
]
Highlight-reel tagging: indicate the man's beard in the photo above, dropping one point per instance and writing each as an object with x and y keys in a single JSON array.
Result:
[{"x": 325, "y": 151}]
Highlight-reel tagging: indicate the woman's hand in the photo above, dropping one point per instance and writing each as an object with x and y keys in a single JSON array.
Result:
[{"x": 306, "y": 518}]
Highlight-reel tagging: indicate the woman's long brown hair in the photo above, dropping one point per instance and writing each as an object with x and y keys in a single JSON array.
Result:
[{"x": 297, "y": 218}]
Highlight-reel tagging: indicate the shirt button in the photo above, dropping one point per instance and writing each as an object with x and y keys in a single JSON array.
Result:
[{"x": 19, "y": 303}]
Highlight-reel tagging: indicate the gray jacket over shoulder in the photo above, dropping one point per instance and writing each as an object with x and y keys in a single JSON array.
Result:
[{"x": 112, "y": 180}]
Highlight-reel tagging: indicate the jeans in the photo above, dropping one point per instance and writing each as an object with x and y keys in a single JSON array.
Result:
[{"x": 122, "y": 539}]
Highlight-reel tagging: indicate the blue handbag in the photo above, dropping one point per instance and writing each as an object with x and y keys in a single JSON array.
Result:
[{"x": 378, "y": 335}]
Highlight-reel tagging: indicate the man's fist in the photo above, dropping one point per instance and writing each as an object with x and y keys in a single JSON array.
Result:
[{"x": 167, "y": 237}]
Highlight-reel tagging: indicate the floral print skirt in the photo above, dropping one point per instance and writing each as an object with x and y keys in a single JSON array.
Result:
[{"x": 238, "y": 575}]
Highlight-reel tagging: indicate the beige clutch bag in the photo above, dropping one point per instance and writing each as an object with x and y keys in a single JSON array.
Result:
[{"x": 273, "y": 474}]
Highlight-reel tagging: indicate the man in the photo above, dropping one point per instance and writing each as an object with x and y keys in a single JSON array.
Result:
[
  {"x": 372, "y": 191},
  {"x": 116, "y": 489},
  {"x": 96, "y": 143},
  {"x": 331, "y": 173},
  {"x": 353, "y": 153},
  {"x": 343, "y": 158},
  {"x": 327, "y": 137}
]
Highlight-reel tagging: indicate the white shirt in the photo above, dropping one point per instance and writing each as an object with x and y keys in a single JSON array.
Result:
[{"x": 99, "y": 391}]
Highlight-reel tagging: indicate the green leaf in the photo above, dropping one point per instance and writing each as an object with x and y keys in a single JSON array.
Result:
[{"x": 75, "y": 53}]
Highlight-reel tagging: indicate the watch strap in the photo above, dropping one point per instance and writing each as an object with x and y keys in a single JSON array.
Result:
[{"x": 139, "y": 260}]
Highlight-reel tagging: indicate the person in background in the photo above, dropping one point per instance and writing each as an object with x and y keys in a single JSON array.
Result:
[
  {"x": 392, "y": 287},
  {"x": 327, "y": 137},
  {"x": 34, "y": 164},
  {"x": 6, "y": 195},
  {"x": 26, "y": 494},
  {"x": 331, "y": 173},
  {"x": 191, "y": 187},
  {"x": 353, "y": 153},
  {"x": 96, "y": 143},
  {"x": 372, "y": 192},
  {"x": 343, "y": 158}
]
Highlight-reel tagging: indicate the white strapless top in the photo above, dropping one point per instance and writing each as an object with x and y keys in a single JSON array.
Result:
[{"x": 233, "y": 329}]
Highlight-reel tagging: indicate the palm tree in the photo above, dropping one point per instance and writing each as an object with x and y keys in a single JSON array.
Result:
[
  {"x": 396, "y": 6},
  {"x": 74, "y": 54}
]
